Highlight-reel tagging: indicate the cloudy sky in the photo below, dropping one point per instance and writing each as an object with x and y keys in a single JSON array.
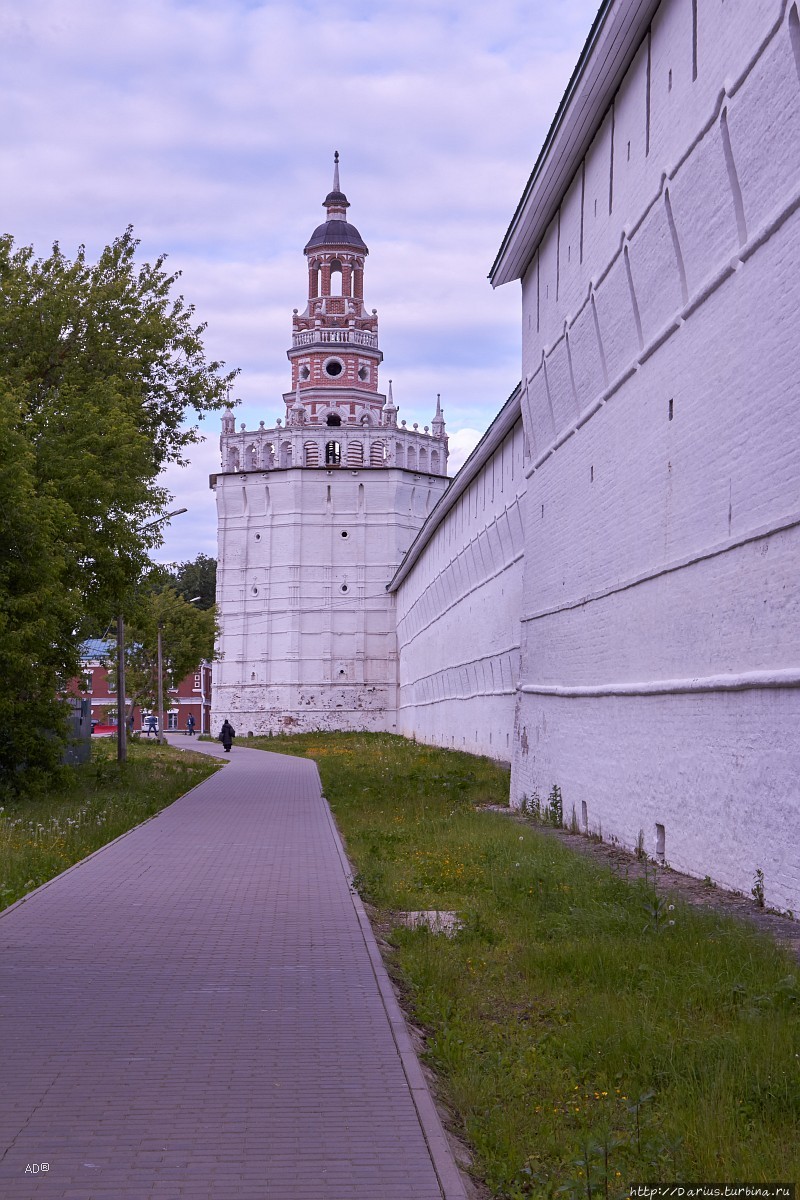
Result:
[{"x": 210, "y": 126}]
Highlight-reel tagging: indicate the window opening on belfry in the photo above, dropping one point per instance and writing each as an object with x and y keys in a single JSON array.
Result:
[
  {"x": 334, "y": 420},
  {"x": 333, "y": 454}
]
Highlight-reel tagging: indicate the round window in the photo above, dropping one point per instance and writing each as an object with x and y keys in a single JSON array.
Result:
[
  {"x": 344, "y": 587},
  {"x": 333, "y": 368},
  {"x": 345, "y": 533}
]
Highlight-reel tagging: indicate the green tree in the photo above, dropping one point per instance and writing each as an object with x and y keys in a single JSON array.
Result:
[
  {"x": 187, "y": 636},
  {"x": 196, "y": 578},
  {"x": 102, "y": 374},
  {"x": 37, "y": 613}
]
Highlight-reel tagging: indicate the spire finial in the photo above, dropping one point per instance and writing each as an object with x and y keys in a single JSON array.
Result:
[
  {"x": 336, "y": 202},
  {"x": 437, "y": 424}
]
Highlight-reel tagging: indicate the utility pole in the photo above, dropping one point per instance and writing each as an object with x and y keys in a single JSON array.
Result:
[
  {"x": 122, "y": 732},
  {"x": 122, "y": 729},
  {"x": 160, "y": 690}
]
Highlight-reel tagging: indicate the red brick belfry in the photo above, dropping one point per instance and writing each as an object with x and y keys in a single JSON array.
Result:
[{"x": 334, "y": 354}]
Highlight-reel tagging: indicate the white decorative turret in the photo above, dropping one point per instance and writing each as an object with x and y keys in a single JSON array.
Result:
[
  {"x": 297, "y": 413},
  {"x": 228, "y": 421},
  {"x": 437, "y": 424},
  {"x": 390, "y": 409}
]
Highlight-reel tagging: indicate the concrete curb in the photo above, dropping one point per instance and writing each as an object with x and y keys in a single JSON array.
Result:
[{"x": 447, "y": 1171}]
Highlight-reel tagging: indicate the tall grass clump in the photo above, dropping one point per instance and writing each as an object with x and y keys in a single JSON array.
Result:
[
  {"x": 45, "y": 832},
  {"x": 587, "y": 1031}
]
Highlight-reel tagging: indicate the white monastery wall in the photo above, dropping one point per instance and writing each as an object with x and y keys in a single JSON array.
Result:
[
  {"x": 308, "y": 637},
  {"x": 458, "y": 603},
  {"x": 661, "y": 621}
]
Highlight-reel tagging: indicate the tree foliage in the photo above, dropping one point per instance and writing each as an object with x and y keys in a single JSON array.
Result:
[
  {"x": 196, "y": 578},
  {"x": 37, "y": 614},
  {"x": 187, "y": 636},
  {"x": 102, "y": 372}
]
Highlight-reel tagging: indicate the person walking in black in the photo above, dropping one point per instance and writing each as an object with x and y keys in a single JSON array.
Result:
[
  {"x": 190, "y": 725},
  {"x": 226, "y": 735}
]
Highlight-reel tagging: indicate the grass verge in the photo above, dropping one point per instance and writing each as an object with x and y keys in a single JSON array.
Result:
[
  {"x": 587, "y": 1032},
  {"x": 43, "y": 834}
]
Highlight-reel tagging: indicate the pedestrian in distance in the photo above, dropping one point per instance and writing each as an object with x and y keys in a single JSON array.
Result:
[
  {"x": 226, "y": 735},
  {"x": 190, "y": 725},
  {"x": 152, "y": 725}
]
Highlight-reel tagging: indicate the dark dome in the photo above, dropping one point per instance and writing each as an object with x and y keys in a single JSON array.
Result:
[
  {"x": 336, "y": 233},
  {"x": 336, "y": 198}
]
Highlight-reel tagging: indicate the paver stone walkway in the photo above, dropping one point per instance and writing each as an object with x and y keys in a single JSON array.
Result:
[{"x": 199, "y": 1011}]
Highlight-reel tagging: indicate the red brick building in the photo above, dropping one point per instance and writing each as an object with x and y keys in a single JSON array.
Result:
[{"x": 191, "y": 696}]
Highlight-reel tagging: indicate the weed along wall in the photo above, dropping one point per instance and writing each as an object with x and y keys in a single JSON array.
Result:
[
  {"x": 458, "y": 597},
  {"x": 660, "y": 624}
]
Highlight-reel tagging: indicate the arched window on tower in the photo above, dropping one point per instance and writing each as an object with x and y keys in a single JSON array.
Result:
[
  {"x": 423, "y": 459},
  {"x": 355, "y": 454},
  {"x": 336, "y": 277},
  {"x": 333, "y": 454},
  {"x": 251, "y": 458},
  {"x": 377, "y": 454},
  {"x": 233, "y": 459},
  {"x": 411, "y": 458},
  {"x": 311, "y": 454},
  {"x": 435, "y": 462},
  {"x": 286, "y": 454},
  {"x": 398, "y": 454},
  {"x": 334, "y": 420}
]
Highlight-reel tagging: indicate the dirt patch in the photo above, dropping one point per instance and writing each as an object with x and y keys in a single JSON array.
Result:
[{"x": 697, "y": 892}]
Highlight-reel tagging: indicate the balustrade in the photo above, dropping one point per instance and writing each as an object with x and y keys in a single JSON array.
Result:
[
  {"x": 356, "y": 337},
  {"x": 354, "y": 447}
]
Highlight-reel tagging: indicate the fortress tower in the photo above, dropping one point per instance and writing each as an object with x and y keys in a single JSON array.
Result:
[{"x": 315, "y": 515}]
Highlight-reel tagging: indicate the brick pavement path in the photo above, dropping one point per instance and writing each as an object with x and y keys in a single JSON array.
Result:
[{"x": 199, "y": 1010}]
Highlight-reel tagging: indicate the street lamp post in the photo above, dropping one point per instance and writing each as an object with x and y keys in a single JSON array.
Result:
[
  {"x": 122, "y": 740},
  {"x": 122, "y": 731}
]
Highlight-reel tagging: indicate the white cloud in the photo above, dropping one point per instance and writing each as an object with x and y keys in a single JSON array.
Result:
[
  {"x": 210, "y": 124},
  {"x": 461, "y": 444}
]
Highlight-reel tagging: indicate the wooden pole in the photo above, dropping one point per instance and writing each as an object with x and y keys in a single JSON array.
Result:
[
  {"x": 160, "y": 689},
  {"x": 122, "y": 729}
]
